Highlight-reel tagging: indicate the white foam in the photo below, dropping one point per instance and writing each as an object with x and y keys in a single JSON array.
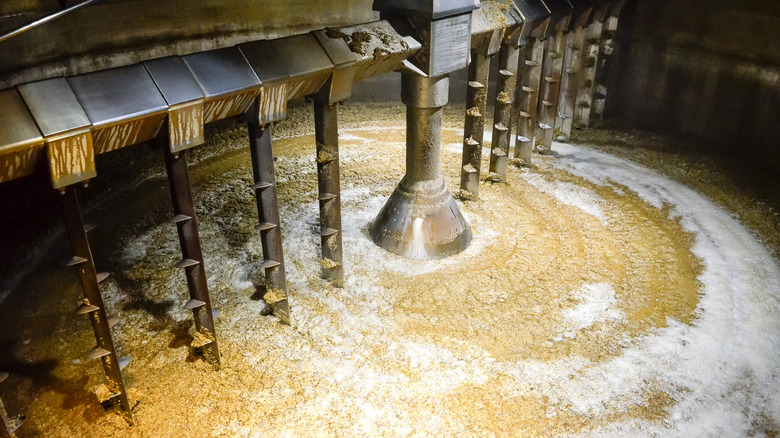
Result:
[{"x": 596, "y": 305}]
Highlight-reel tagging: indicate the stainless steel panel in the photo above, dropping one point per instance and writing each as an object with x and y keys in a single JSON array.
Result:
[
  {"x": 265, "y": 61},
  {"x": 112, "y": 96},
  {"x": 221, "y": 72},
  {"x": 449, "y": 44},
  {"x": 336, "y": 48},
  {"x": 536, "y": 17},
  {"x": 581, "y": 14},
  {"x": 54, "y": 106},
  {"x": 174, "y": 80},
  {"x": 488, "y": 24},
  {"x": 430, "y": 9},
  {"x": 17, "y": 127},
  {"x": 560, "y": 10},
  {"x": 302, "y": 55}
]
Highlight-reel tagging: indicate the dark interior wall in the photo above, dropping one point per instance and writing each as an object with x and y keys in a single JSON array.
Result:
[{"x": 708, "y": 69}]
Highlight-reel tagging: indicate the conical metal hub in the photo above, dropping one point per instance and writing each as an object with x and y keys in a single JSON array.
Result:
[{"x": 421, "y": 221}]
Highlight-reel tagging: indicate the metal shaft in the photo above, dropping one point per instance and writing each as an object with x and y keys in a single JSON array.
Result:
[
  {"x": 502, "y": 116},
  {"x": 569, "y": 83},
  {"x": 603, "y": 66},
  {"x": 421, "y": 219},
  {"x": 268, "y": 212},
  {"x": 327, "y": 137},
  {"x": 586, "y": 86},
  {"x": 551, "y": 85},
  {"x": 192, "y": 262},
  {"x": 85, "y": 266},
  {"x": 528, "y": 93},
  {"x": 474, "y": 129}
]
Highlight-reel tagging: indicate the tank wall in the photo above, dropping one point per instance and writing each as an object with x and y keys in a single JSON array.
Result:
[
  {"x": 710, "y": 70},
  {"x": 121, "y": 32}
]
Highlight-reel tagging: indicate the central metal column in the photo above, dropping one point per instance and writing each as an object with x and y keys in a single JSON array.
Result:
[{"x": 421, "y": 219}]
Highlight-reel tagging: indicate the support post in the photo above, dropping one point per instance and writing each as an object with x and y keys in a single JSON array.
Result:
[
  {"x": 502, "y": 116},
  {"x": 93, "y": 301},
  {"x": 529, "y": 97},
  {"x": 8, "y": 425},
  {"x": 261, "y": 150},
  {"x": 587, "y": 83},
  {"x": 575, "y": 40},
  {"x": 474, "y": 129},
  {"x": 327, "y": 137},
  {"x": 548, "y": 102},
  {"x": 192, "y": 254},
  {"x": 607, "y": 46}
]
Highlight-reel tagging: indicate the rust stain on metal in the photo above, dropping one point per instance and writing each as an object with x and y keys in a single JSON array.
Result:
[
  {"x": 186, "y": 126},
  {"x": 273, "y": 103},
  {"x": 125, "y": 134},
  {"x": 19, "y": 163},
  {"x": 229, "y": 106},
  {"x": 71, "y": 159}
]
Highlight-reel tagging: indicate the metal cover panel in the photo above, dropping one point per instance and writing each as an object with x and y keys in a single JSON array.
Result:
[
  {"x": 302, "y": 55},
  {"x": 266, "y": 63},
  {"x": 223, "y": 71},
  {"x": 615, "y": 7},
  {"x": 600, "y": 9},
  {"x": 174, "y": 80},
  {"x": 581, "y": 14},
  {"x": 336, "y": 48},
  {"x": 118, "y": 94},
  {"x": 431, "y": 9},
  {"x": 54, "y": 106},
  {"x": 535, "y": 15},
  {"x": 17, "y": 127},
  {"x": 450, "y": 44},
  {"x": 560, "y": 11}
]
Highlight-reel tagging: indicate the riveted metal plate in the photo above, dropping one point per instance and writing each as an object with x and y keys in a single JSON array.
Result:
[
  {"x": 174, "y": 80},
  {"x": 54, "y": 106},
  {"x": 21, "y": 142},
  {"x": 306, "y": 61}
]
